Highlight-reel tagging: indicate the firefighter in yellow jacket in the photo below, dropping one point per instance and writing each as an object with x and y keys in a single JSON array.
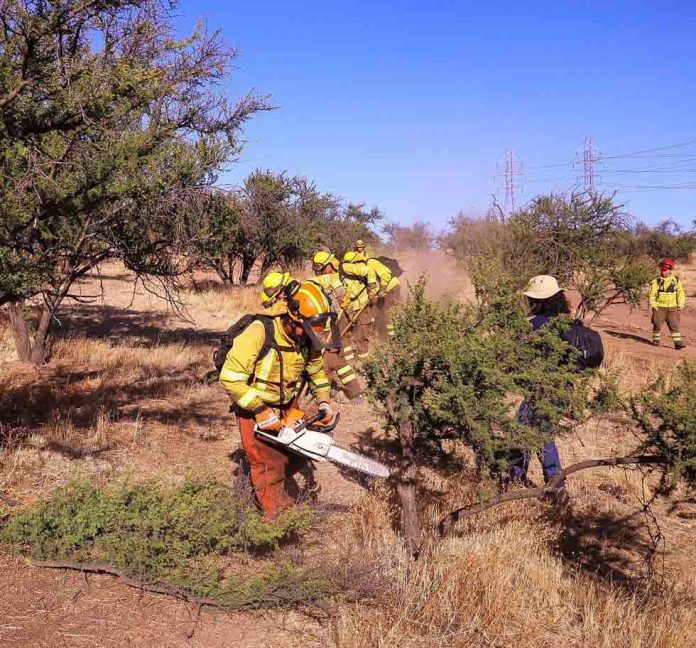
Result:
[
  {"x": 389, "y": 291},
  {"x": 263, "y": 378},
  {"x": 339, "y": 362},
  {"x": 362, "y": 289},
  {"x": 667, "y": 301}
]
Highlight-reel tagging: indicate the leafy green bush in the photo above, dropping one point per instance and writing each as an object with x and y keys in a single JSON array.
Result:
[
  {"x": 573, "y": 238},
  {"x": 177, "y": 536},
  {"x": 460, "y": 371},
  {"x": 666, "y": 415}
]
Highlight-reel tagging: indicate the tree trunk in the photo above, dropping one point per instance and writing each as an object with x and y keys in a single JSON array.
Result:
[
  {"x": 20, "y": 332},
  {"x": 230, "y": 269},
  {"x": 407, "y": 489},
  {"x": 247, "y": 265},
  {"x": 28, "y": 350}
]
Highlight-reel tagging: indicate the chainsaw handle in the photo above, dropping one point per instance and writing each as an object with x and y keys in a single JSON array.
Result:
[
  {"x": 330, "y": 427},
  {"x": 307, "y": 422}
]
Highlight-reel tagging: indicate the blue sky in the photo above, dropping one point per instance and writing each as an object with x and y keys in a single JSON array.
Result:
[{"x": 410, "y": 106}]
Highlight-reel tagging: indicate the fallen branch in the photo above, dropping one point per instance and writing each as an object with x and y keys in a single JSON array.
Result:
[
  {"x": 155, "y": 587},
  {"x": 552, "y": 487},
  {"x": 158, "y": 587}
]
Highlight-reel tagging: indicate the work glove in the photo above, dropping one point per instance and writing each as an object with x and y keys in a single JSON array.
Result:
[
  {"x": 267, "y": 420},
  {"x": 328, "y": 414}
]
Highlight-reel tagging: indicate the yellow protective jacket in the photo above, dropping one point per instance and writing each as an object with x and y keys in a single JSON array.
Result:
[
  {"x": 254, "y": 382},
  {"x": 667, "y": 293},
  {"x": 331, "y": 284},
  {"x": 387, "y": 281},
  {"x": 361, "y": 284}
]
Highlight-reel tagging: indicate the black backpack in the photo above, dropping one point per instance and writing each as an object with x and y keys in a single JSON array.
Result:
[
  {"x": 240, "y": 325},
  {"x": 588, "y": 342},
  {"x": 392, "y": 264}
]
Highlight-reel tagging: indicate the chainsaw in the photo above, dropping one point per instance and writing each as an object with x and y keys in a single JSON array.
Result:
[{"x": 303, "y": 437}]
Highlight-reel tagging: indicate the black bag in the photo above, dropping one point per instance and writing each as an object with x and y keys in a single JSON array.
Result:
[
  {"x": 240, "y": 325},
  {"x": 393, "y": 265},
  {"x": 588, "y": 342}
]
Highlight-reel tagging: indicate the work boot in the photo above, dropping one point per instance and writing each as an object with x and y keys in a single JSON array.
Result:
[
  {"x": 680, "y": 346},
  {"x": 656, "y": 343}
]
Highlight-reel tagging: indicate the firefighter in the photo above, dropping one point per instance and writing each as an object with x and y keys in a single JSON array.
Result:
[
  {"x": 338, "y": 362},
  {"x": 359, "y": 246},
  {"x": 389, "y": 292},
  {"x": 263, "y": 378},
  {"x": 362, "y": 289},
  {"x": 273, "y": 288},
  {"x": 667, "y": 301}
]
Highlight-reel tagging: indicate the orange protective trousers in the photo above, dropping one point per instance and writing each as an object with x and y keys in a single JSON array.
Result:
[{"x": 271, "y": 469}]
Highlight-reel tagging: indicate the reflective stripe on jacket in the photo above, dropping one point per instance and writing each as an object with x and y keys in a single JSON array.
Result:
[
  {"x": 254, "y": 382},
  {"x": 667, "y": 293}
]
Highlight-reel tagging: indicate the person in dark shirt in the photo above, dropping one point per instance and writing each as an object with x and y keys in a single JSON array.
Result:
[{"x": 546, "y": 301}]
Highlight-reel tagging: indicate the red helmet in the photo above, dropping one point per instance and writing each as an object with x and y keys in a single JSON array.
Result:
[{"x": 666, "y": 264}]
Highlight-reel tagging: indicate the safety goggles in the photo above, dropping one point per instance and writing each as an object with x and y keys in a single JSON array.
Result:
[{"x": 318, "y": 267}]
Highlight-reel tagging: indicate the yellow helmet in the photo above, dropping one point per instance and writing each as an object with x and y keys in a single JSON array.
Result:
[
  {"x": 359, "y": 245},
  {"x": 322, "y": 259},
  {"x": 273, "y": 284},
  {"x": 309, "y": 306}
]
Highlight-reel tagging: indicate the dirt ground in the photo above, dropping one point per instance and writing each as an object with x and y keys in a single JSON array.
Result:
[{"x": 164, "y": 421}]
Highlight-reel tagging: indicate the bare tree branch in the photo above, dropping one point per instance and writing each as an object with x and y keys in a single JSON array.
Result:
[{"x": 550, "y": 488}]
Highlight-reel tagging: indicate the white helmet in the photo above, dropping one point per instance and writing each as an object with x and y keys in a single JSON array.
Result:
[{"x": 542, "y": 287}]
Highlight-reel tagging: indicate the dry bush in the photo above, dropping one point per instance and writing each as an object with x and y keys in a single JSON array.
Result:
[{"x": 499, "y": 585}]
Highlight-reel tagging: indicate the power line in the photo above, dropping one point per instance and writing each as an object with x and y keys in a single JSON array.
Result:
[{"x": 650, "y": 150}]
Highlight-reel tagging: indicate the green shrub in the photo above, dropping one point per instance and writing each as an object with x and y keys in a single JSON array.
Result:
[
  {"x": 666, "y": 415},
  {"x": 460, "y": 371},
  {"x": 177, "y": 536}
]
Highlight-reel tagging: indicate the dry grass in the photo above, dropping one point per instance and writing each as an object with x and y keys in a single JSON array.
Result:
[
  {"x": 228, "y": 303},
  {"x": 497, "y": 585},
  {"x": 95, "y": 401}
]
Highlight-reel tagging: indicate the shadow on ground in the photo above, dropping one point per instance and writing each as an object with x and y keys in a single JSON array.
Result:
[
  {"x": 143, "y": 328},
  {"x": 609, "y": 545},
  {"x": 623, "y": 335},
  {"x": 80, "y": 398}
]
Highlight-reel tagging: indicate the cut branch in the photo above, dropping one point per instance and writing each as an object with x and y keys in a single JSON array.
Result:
[
  {"x": 550, "y": 488},
  {"x": 273, "y": 596}
]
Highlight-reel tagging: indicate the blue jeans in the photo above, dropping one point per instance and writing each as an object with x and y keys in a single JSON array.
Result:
[{"x": 549, "y": 457}]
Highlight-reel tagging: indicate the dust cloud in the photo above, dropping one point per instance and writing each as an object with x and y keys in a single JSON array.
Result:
[{"x": 446, "y": 277}]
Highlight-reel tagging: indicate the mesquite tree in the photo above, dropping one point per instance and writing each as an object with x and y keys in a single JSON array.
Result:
[
  {"x": 579, "y": 239},
  {"x": 275, "y": 220},
  {"x": 110, "y": 128},
  {"x": 458, "y": 372}
]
